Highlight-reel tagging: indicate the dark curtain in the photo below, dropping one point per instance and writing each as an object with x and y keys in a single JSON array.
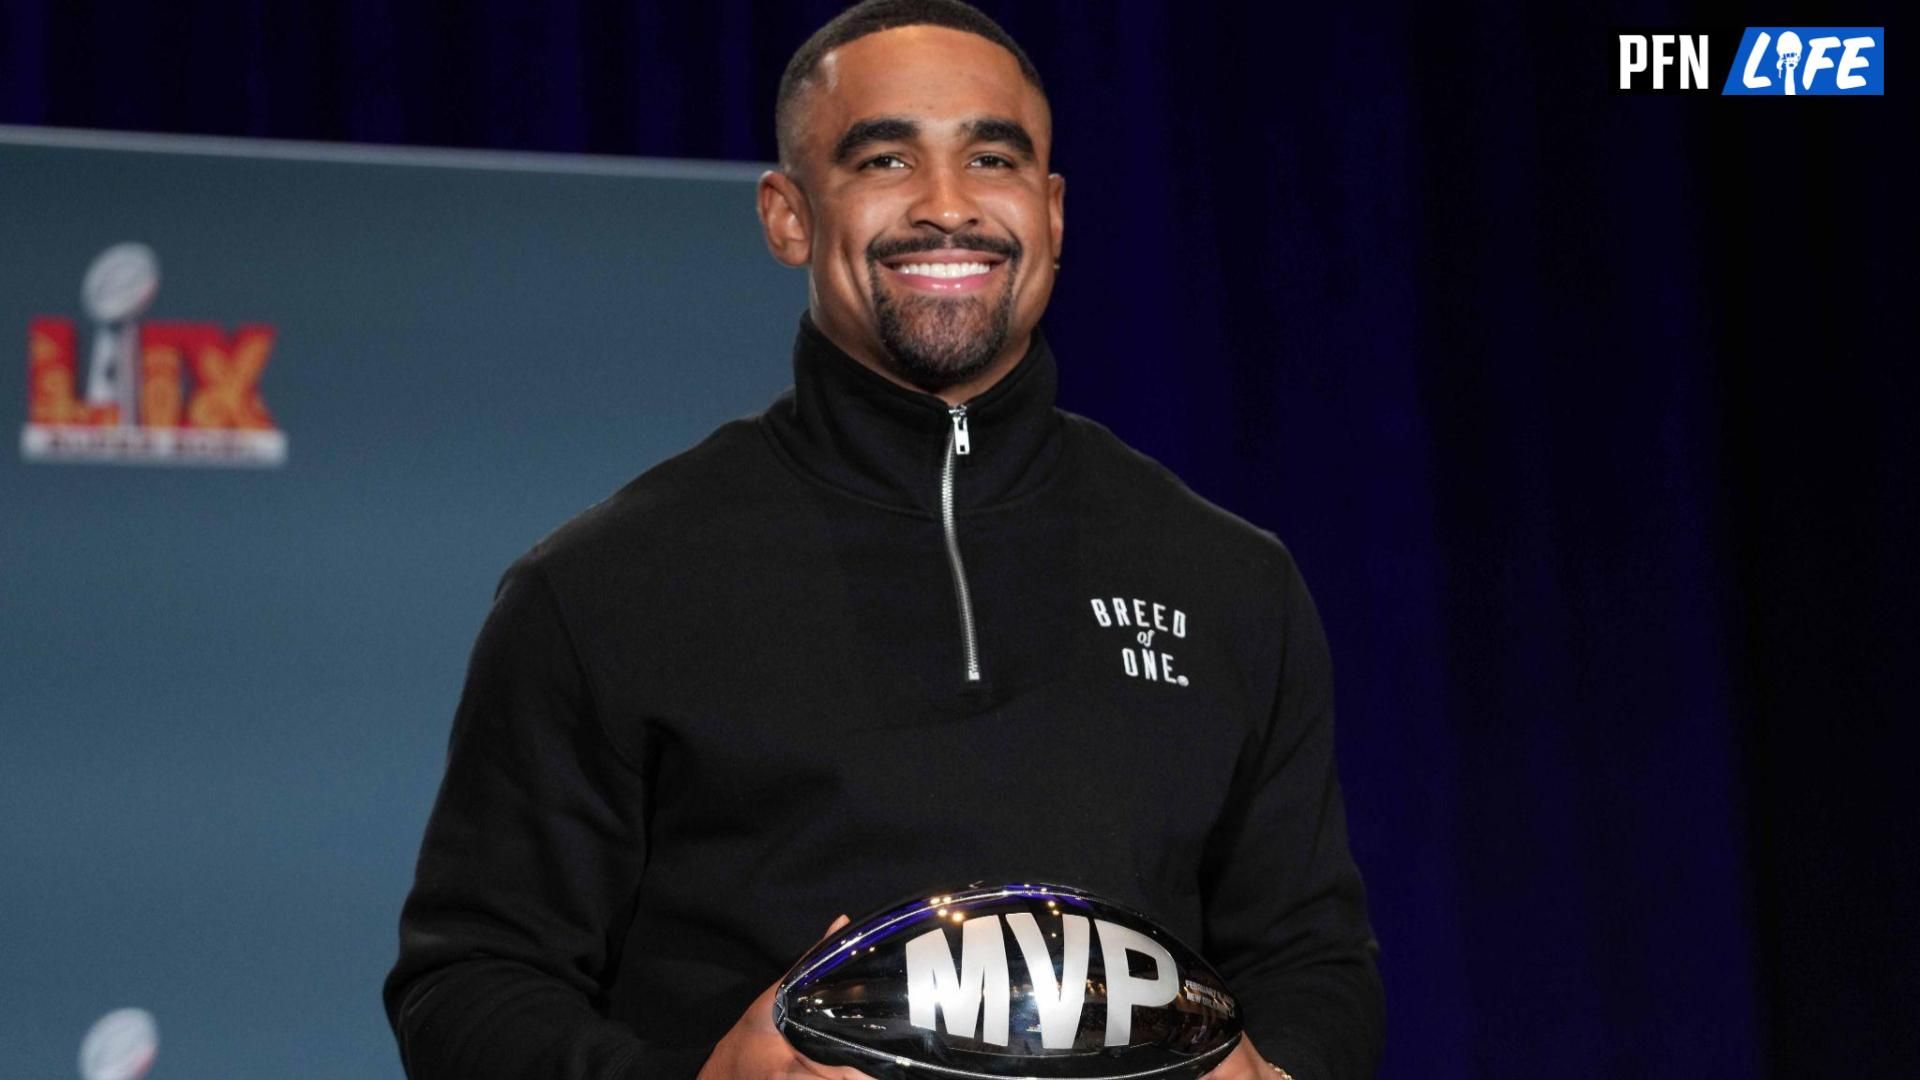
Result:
[{"x": 1585, "y": 414}]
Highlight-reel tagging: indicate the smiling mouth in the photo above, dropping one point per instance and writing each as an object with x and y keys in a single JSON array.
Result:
[{"x": 945, "y": 272}]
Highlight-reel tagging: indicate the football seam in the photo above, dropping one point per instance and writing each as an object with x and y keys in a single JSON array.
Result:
[{"x": 966, "y": 895}]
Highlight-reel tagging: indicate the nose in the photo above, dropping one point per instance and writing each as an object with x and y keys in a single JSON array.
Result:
[{"x": 944, "y": 201}]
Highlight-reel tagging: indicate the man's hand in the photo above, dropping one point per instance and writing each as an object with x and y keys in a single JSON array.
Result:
[
  {"x": 1245, "y": 1063},
  {"x": 755, "y": 1050}
]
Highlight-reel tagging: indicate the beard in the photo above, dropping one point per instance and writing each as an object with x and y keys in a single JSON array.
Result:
[{"x": 935, "y": 342}]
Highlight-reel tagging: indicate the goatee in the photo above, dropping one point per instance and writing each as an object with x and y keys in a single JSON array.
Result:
[{"x": 935, "y": 342}]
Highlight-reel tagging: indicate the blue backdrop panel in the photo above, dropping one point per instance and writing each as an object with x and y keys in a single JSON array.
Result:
[{"x": 226, "y": 692}]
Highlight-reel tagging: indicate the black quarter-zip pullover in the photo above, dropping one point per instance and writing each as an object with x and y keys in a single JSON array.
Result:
[{"x": 825, "y": 660}]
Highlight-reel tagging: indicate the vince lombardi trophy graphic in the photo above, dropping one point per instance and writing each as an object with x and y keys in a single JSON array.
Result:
[
  {"x": 1788, "y": 50},
  {"x": 119, "y": 287}
]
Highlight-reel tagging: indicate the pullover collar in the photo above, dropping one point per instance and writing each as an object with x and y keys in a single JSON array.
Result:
[{"x": 855, "y": 430}]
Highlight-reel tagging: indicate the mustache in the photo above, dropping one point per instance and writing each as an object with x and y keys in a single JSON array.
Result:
[{"x": 880, "y": 250}]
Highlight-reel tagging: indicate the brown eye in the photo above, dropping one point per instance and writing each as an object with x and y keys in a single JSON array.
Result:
[
  {"x": 884, "y": 161},
  {"x": 994, "y": 160}
]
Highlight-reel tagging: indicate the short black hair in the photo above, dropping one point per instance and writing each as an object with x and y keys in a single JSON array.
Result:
[{"x": 871, "y": 17}]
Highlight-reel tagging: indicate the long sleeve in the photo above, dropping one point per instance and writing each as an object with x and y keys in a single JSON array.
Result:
[
  {"x": 533, "y": 853},
  {"x": 1285, "y": 909}
]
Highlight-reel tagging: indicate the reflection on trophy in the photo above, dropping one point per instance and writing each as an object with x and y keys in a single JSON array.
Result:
[
  {"x": 1788, "y": 50},
  {"x": 119, "y": 287}
]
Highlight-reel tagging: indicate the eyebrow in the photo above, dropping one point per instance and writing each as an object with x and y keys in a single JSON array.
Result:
[
  {"x": 865, "y": 133},
  {"x": 1000, "y": 129}
]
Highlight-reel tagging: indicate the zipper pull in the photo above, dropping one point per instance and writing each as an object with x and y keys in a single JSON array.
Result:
[{"x": 960, "y": 444}]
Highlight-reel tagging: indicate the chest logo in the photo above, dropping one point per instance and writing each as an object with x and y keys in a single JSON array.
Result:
[{"x": 1153, "y": 626}]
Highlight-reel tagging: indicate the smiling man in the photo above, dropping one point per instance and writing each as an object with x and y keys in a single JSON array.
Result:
[
  {"x": 914, "y": 187},
  {"x": 910, "y": 628}
]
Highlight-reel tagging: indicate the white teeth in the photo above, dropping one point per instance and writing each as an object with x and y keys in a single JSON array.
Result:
[{"x": 945, "y": 270}]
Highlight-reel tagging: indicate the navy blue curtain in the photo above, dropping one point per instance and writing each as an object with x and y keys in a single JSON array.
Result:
[{"x": 1585, "y": 414}]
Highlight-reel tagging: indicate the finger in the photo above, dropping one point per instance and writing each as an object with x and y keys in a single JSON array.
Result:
[
  {"x": 816, "y": 1071},
  {"x": 811, "y": 1068},
  {"x": 827, "y": 1072},
  {"x": 837, "y": 924},
  {"x": 763, "y": 1005},
  {"x": 1234, "y": 1064}
]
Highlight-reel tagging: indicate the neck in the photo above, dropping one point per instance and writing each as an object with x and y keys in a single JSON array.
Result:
[
  {"x": 956, "y": 394},
  {"x": 853, "y": 428}
]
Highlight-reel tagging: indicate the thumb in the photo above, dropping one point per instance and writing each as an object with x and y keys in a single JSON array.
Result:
[
  {"x": 763, "y": 1006},
  {"x": 836, "y": 925}
]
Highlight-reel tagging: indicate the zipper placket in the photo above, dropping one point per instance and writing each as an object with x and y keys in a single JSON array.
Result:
[{"x": 958, "y": 444}]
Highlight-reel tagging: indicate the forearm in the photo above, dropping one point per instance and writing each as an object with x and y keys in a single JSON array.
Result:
[
  {"x": 531, "y": 856},
  {"x": 484, "y": 1019},
  {"x": 1324, "y": 1022},
  {"x": 1286, "y": 907}
]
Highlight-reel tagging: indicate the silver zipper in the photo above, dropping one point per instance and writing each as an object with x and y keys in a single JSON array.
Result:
[{"x": 957, "y": 445}]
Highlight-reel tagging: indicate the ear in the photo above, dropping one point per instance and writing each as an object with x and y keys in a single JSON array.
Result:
[
  {"x": 1057, "y": 210},
  {"x": 785, "y": 217}
]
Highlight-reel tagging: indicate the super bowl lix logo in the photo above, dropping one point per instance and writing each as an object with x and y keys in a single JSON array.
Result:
[{"x": 153, "y": 392}]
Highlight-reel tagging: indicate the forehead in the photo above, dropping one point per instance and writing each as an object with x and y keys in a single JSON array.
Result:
[{"x": 932, "y": 73}]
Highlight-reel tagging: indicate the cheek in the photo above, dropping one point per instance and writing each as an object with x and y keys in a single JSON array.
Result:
[
  {"x": 840, "y": 257},
  {"x": 1026, "y": 217},
  {"x": 846, "y": 254},
  {"x": 856, "y": 222}
]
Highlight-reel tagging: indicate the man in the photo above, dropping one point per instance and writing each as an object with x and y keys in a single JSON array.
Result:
[{"x": 911, "y": 627}]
